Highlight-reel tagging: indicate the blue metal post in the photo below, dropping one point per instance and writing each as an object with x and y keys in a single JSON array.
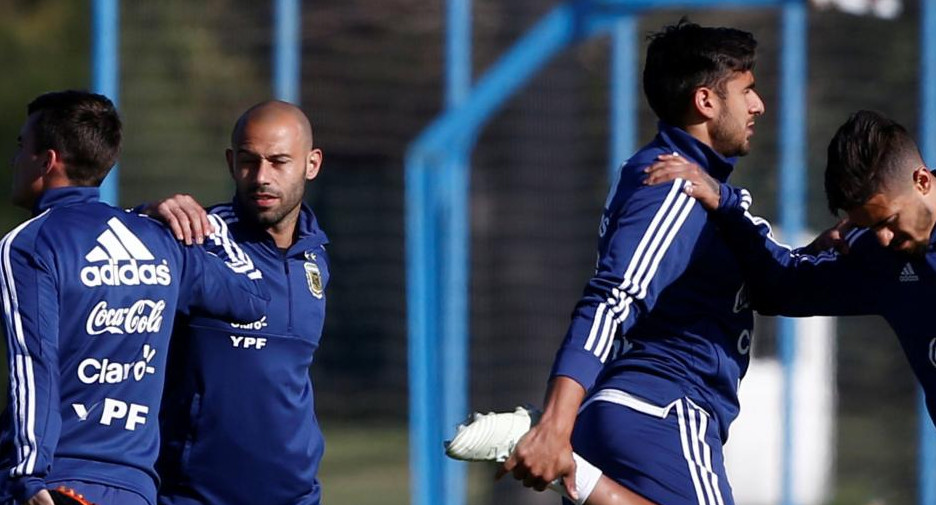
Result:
[
  {"x": 286, "y": 50},
  {"x": 458, "y": 52},
  {"x": 792, "y": 203},
  {"x": 105, "y": 71},
  {"x": 438, "y": 206},
  {"x": 624, "y": 118},
  {"x": 457, "y": 126},
  {"x": 927, "y": 456},
  {"x": 454, "y": 350},
  {"x": 453, "y": 205},
  {"x": 422, "y": 279},
  {"x": 437, "y": 180}
]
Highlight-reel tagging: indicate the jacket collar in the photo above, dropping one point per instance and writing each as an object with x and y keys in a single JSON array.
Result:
[
  {"x": 66, "y": 196},
  {"x": 714, "y": 163}
]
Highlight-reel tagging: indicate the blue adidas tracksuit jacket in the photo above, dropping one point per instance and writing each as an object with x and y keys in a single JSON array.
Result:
[
  {"x": 89, "y": 296},
  {"x": 239, "y": 424},
  {"x": 665, "y": 314},
  {"x": 870, "y": 279}
]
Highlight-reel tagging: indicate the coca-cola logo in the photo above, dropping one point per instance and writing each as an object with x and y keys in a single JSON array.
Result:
[{"x": 144, "y": 316}]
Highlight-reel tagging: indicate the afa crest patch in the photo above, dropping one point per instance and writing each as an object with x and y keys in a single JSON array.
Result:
[{"x": 314, "y": 279}]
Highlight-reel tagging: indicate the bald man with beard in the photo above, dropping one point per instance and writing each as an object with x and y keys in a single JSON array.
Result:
[{"x": 238, "y": 424}]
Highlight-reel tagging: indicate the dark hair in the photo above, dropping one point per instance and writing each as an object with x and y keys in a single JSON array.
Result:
[
  {"x": 867, "y": 153},
  {"x": 685, "y": 56},
  {"x": 83, "y": 128}
]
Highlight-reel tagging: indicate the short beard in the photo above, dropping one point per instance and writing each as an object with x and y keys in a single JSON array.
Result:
[
  {"x": 253, "y": 215},
  {"x": 268, "y": 220},
  {"x": 722, "y": 141}
]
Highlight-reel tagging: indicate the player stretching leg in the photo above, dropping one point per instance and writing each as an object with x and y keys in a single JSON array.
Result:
[{"x": 644, "y": 386}]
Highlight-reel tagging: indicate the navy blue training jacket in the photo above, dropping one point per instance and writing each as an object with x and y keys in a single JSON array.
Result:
[
  {"x": 870, "y": 279},
  {"x": 239, "y": 425},
  {"x": 665, "y": 314},
  {"x": 89, "y": 296}
]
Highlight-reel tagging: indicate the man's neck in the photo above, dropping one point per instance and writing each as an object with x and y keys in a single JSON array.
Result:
[
  {"x": 699, "y": 131},
  {"x": 54, "y": 179},
  {"x": 284, "y": 232}
]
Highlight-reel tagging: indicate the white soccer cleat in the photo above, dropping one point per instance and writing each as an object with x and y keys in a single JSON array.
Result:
[{"x": 491, "y": 436}]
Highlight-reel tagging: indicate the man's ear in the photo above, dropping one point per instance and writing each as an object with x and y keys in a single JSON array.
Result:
[
  {"x": 314, "y": 161},
  {"x": 52, "y": 165},
  {"x": 923, "y": 180},
  {"x": 229, "y": 156},
  {"x": 49, "y": 159},
  {"x": 705, "y": 102}
]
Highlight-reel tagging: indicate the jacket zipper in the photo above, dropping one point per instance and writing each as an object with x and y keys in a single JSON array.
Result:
[{"x": 289, "y": 300}]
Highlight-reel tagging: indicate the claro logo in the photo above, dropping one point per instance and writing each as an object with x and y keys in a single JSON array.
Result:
[
  {"x": 121, "y": 259},
  {"x": 144, "y": 316},
  {"x": 106, "y": 371}
]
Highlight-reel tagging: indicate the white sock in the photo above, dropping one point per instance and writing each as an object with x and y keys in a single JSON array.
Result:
[{"x": 586, "y": 478}]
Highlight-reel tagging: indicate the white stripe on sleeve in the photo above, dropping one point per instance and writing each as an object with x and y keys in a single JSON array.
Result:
[
  {"x": 22, "y": 374},
  {"x": 643, "y": 265}
]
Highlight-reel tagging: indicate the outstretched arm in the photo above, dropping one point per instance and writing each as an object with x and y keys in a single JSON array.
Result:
[
  {"x": 707, "y": 191},
  {"x": 221, "y": 278},
  {"x": 813, "y": 280}
]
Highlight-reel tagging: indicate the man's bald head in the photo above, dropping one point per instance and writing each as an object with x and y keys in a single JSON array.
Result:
[
  {"x": 274, "y": 112},
  {"x": 270, "y": 159}
]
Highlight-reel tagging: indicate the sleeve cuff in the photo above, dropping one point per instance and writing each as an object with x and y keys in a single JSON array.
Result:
[
  {"x": 25, "y": 488},
  {"x": 732, "y": 200},
  {"x": 577, "y": 364}
]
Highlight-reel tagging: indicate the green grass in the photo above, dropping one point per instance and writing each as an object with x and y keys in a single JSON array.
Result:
[{"x": 367, "y": 465}]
